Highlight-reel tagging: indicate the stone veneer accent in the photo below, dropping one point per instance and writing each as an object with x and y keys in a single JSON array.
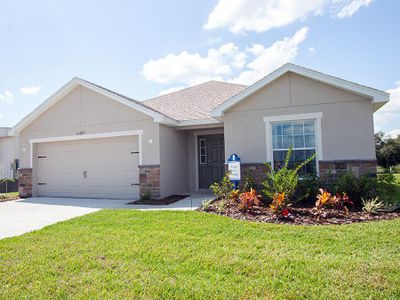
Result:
[
  {"x": 24, "y": 182},
  {"x": 149, "y": 180},
  {"x": 330, "y": 169},
  {"x": 257, "y": 170}
]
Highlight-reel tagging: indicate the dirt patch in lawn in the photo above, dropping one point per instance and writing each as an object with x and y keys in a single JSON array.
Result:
[
  {"x": 299, "y": 215},
  {"x": 163, "y": 201}
]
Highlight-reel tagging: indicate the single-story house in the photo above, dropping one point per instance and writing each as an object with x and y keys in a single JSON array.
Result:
[{"x": 88, "y": 141}]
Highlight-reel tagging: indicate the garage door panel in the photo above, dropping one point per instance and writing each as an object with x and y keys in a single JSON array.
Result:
[{"x": 101, "y": 168}]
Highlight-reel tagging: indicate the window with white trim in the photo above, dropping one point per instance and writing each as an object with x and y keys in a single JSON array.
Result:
[{"x": 301, "y": 135}]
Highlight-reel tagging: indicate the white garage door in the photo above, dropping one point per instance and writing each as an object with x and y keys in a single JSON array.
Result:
[{"x": 93, "y": 168}]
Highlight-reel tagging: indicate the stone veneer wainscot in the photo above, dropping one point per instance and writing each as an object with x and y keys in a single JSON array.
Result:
[
  {"x": 24, "y": 182},
  {"x": 328, "y": 170},
  {"x": 149, "y": 180}
]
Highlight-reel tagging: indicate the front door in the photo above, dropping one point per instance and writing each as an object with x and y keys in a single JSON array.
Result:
[{"x": 211, "y": 159}]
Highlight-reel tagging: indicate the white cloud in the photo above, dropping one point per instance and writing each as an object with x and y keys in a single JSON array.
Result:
[
  {"x": 394, "y": 133},
  {"x": 312, "y": 50},
  {"x": 260, "y": 15},
  {"x": 1, "y": 116},
  {"x": 268, "y": 59},
  {"x": 31, "y": 90},
  {"x": 170, "y": 90},
  {"x": 225, "y": 63},
  {"x": 391, "y": 110},
  {"x": 351, "y": 7},
  {"x": 192, "y": 68},
  {"x": 7, "y": 96}
]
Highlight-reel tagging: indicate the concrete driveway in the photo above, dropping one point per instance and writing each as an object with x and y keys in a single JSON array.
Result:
[{"x": 25, "y": 215}]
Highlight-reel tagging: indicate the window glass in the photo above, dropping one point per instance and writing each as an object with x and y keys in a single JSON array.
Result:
[
  {"x": 203, "y": 151},
  {"x": 297, "y": 134}
]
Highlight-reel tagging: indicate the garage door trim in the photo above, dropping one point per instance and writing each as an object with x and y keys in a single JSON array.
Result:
[{"x": 79, "y": 136}]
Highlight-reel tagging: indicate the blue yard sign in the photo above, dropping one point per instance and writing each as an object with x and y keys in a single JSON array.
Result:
[{"x": 234, "y": 168}]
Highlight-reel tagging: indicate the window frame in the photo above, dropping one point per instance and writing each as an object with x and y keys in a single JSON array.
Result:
[{"x": 316, "y": 117}]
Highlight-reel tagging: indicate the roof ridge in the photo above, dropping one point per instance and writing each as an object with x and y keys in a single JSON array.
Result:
[{"x": 193, "y": 86}]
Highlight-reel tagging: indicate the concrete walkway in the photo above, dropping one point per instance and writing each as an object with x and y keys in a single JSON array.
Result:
[{"x": 25, "y": 215}]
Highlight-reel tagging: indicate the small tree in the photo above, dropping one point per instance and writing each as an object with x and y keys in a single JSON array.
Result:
[{"x": 285, "y": 180}]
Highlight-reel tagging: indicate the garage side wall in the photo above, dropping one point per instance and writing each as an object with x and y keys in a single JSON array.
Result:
[
  {"x": 84, "y": 111},
  {"x": 174, "y": 161}
]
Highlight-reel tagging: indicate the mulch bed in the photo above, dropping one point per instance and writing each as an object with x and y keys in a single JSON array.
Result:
[
  {"x": 163, "y": 201},
  {"x": 302, "y": 215}
]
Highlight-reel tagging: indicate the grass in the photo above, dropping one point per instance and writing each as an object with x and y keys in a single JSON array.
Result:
[
  {"x": 161, "y": 254},
  {"x": 7, "y": 196}
]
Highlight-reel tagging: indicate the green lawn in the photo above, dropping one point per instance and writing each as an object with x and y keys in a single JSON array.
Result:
[
  {"x": 160, "y": 254},
  {"x": 5, "y": 196}
]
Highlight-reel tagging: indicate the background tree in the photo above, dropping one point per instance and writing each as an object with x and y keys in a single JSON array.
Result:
[{"x": 387, "y": 150}]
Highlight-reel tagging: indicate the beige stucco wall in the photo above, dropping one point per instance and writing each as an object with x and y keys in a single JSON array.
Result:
[
  {"x": 347, "y": 123},
  {"x": 85, "y": 110},
  {"x": 173, "y": 161}
]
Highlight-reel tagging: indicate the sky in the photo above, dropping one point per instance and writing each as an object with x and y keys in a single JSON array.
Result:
[{"x": 146, "y": 48}]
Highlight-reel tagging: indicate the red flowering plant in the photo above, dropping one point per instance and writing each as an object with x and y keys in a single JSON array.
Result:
[
  {"x": 341, "y": 201},
  {"x": 326, "y": 199},
  {"x": 247, "y": 200},
  {"x": 280, "y": 205},
  {"x": 323, "y": 198}
]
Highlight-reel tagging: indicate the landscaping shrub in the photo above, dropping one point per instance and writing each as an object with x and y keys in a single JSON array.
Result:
[
  {"x": 221, "y": 205},
  {"x": 389, "y": 190},
  {"x": 323, "y": 199},
  {"x": 386, "y": 185},
  {"x": 205, "y": 204},
  {"x": 249, "y": 199},
  {"x": 146, "y": 196},
  {"x": 307, "y": 190},
  {"x": 223, "y": 188},
  {"x": 372, "y": 206},
  {"x": 247, "y": 183},
  {"x": 396, "y": 169},
  {"x": 356, "y": 188},
  {"x": 338, "y": 201},
  {"x": 280, "y": 205},
  {"x": 284, "y": 180}
]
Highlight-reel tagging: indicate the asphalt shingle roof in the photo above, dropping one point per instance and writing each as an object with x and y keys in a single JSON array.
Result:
[{"x": 195, "y": 102}]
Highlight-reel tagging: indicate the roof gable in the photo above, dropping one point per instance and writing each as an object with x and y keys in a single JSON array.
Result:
[
  {"x": 75, "y": 82},
  {"x": 378, "y": 98}
]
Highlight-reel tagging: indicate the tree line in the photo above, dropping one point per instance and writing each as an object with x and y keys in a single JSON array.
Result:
[{"x": 387, "y": 150}]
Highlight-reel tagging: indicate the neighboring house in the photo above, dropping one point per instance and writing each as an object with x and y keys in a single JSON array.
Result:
[
  {"x": 88, "y": 141},
  {"x": 8, "y": 149}
]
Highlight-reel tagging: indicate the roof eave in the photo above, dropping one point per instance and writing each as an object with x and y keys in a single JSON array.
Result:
[{"x": 378, "y": 98}]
